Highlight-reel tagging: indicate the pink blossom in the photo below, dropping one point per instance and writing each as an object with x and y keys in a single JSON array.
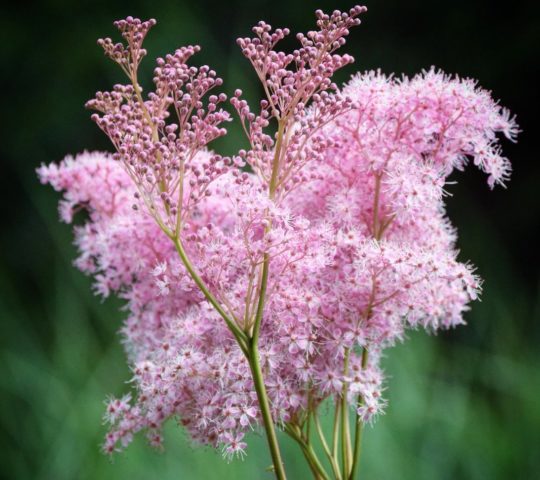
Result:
[{"x": 345, "y": 206}]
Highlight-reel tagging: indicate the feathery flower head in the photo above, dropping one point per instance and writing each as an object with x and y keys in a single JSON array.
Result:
[{"x": 337, "y": 208}]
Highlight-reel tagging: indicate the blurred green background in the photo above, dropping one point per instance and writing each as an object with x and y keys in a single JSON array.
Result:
[{"x": 462, "y": 405}]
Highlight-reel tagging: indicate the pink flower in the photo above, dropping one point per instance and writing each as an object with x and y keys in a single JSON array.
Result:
[{"x": 340, "y": 215}]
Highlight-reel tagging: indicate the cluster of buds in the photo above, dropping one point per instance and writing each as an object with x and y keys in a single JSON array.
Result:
[
  {"x": 128, "y": 56},
  {"x": 294, "y": 84},
  {"x": 163, "y": 157}
]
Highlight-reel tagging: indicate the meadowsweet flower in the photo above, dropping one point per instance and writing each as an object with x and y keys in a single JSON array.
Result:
[{"x": 295, "y": 263}]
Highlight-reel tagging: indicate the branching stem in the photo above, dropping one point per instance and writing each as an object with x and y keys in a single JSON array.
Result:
[
  {"x": 253, "y": 353},
  {"x": 239, "y": 335}
]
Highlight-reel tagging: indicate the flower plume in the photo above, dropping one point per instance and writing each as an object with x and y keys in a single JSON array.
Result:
[{"x": 322, "y": 242}]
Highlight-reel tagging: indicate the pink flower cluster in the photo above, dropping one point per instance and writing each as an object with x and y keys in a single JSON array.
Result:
[{"x": 345, "y": 205}]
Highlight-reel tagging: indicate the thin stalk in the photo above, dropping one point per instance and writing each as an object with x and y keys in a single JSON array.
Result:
[
  {"x": 308, "y": 424},
  {"x": 314, "y": 463},
  {"x": 378, "y": 231},
  {"x": 277, "y": 155},
  {"x": 262, "y": 297},
  {"x": 264, "y": 405},
  {"x": 331, "y": 459},
  {"x": 312, "y": 467},
  {"x": 146, "y": 113},
  {"x": 240, "y": 336},
  {"x": 308, "y": 449},
  {"x": 266, "y": 257},
  {"x": 359, "y": 428},
  {"x": 253, "y": 352},
  {"x": 335, "y": 432},
  {"x": 155, "y": 134},
  {"x": 346, "y": 449},
  {"x": 248, "y": 345},
  {"x": 357, "y": 448}
]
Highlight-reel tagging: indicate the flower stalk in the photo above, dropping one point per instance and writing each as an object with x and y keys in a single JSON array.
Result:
[
  {"x": 359, "y": 424},
  {"x": 264, "y": 405}
]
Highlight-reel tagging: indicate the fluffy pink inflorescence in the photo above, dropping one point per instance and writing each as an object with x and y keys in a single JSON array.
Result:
[{"x": 355, "y": 229}]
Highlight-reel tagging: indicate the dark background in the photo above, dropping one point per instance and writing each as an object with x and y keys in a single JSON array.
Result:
[{"x": 463, "y": 405}]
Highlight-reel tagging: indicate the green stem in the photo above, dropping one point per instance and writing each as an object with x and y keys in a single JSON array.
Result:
[
  {"x": 250, "y": 349},
  {"x": 309, "y": 452},
  {"x": 312, "y": 467},
  {"x": 277, "y": 155},
  {"x": 346, "y": 449},
  {"x": 240, "y": 336},
  {"x": 331, "y": 459},
  {"x": 262, "y": 297},
  {"x": 264, "y": 405},
  {"x": 359, "y": 427},
  {"x": 314, "y": 463},
  {"x": 253, "y": 352},
  {"x": 266, "y": 257},
  {"x": 357, "y": 448},
  {"x": 335, "y": 432}
]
